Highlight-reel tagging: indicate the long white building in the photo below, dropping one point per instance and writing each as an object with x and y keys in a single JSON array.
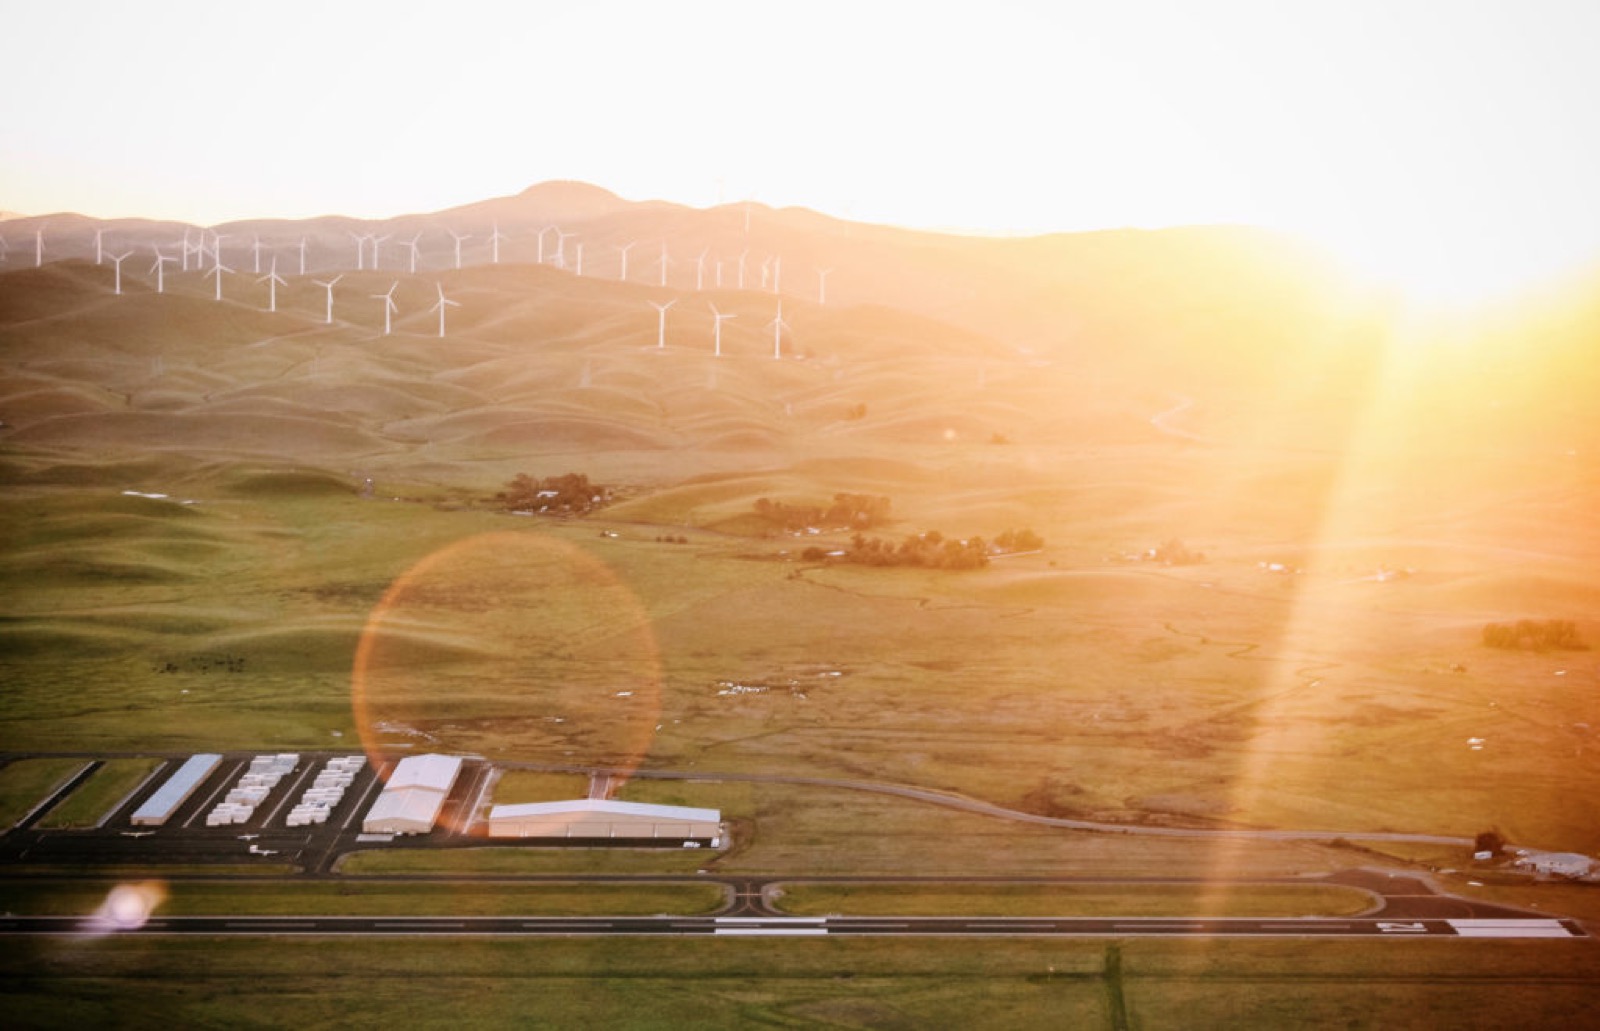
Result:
[
  {"x": 607, "y": 821},
  {"x": 410, "y": 802}
]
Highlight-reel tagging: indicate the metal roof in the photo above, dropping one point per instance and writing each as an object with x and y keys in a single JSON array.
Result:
[
  {"x": 606, "y": 807},
  {"x": 170, "y": 795},
  {"x": 417, "y": 807},
  {"x": 437, "y": 772}
]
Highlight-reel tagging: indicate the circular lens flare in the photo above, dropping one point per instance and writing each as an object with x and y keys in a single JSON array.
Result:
[{"x": 514, "y": 646}]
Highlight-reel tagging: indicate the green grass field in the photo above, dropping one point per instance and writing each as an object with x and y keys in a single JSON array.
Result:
[
  {"x": 373, "y": 898},
  {"x": 1186, "y": 900},
  {"x": 27, "y": 782},
  {"x": 93, "y": 799}
]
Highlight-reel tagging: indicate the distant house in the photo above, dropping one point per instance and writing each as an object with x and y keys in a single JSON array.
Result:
[{"x": 1556, "y": 864}]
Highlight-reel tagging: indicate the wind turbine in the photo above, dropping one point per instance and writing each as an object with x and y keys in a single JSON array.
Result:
[
  {"x": 302, "y": 255},
  {"x": 388, "y": 305},
  {"x": 216, "y": 247},
  {"x": 777, "y": 274},
  {"x": 412, "y": 243},
  {"x": 717, "y": 352},
  {"x": 458, "y": 237},
  {"x": 159, "y": 268},
  {"x": 778, "y": 326},
  {"x": 217, "y": 270},
  {"x": 329, "y": 286},
  {"x": 561, "y": 246},
  {"x": 117, "y": 260},
  {"x": 540, "y": 234},
  {"x": 255, "y": 249},
  {"x": 38, "y": 247},
  {"x": 661, "y": 325},
  {"x": 625, "y": 248},
  {"x": 822, "y": 285},
  {"x": 494, "y": 249},
  {"x": 700, "y": 270},
  {"x": 99, "y": 252},
  {"x": 272, "y": 279},
  {"x": 440, "y": 307},
  {"x": 766, "y": 271},
  {"x": 578, "y": 269},
  {"x": 5, "y": 249},
  {"x": 375, "y": 241},
  {"x": 663, "y": 263},
  {"x": 189, "y": 248},
  {"x": 742, "y": 255},
  {"x": 361, "y": 249}
]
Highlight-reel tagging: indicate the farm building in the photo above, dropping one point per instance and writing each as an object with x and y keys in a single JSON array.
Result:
[
  {"x": 410, "y": 802},
  {"x": 598, "y": 821},
  {"x": 159, "y": 807},
  {"x": 1556, "y": 864}
]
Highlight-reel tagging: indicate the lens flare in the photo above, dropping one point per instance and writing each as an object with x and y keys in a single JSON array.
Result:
[
  {"x": 515, "y": 646},
  {"x": 127, "y": 907}
]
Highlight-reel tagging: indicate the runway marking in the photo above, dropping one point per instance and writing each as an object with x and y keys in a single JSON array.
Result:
[
  {"x": 1533, "y": 927},
  {"x": 427, "y": 924},
  {"x": 771, "y": 919},
  {"x": 1161, "y": 927},
  {"x": 749, "y": 931},
  {"x": 1006, "y": 927},
  {"x": 1304, "y": 924},
  {"x": 569, "y": 924},
  {"x": 255, "y": 925}
]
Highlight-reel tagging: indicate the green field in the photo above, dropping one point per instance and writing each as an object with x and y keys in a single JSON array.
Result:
[
  {"x": 92, "y": 801},
  {"x": 637, "y": 983},
  {"x": 373, "y": 898},
  {"x": 27, "y": 782},
  {"x": 1131, "y": 900}
]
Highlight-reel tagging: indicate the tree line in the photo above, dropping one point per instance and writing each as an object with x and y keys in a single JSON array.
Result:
[
  {"x": 567, "y": 494},
  {"x": 847, "y": 512}
]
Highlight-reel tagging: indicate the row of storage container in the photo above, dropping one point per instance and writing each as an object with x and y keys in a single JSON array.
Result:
[{"x": 326, "y": 791}]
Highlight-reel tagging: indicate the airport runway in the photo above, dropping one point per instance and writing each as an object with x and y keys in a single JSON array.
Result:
[{"x": 1074, "y": 927}]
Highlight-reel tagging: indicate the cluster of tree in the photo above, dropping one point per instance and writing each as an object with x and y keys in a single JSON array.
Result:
[
  {"x": 931, "y": 550},
  {"x": 1533, "y": 634},
  {"x": 848, "y": 512},
  {"x": 567, "y": 494},
  {"x": 1018, "y": 540}
]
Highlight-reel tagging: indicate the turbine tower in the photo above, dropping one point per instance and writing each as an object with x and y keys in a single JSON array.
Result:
[
  {"x": 458, "y": 237},
  {"x": 38, "y": 247},
  {"x": 159, "y": 268},
  {"x": 272, "y": 279},
  {"x": 663, "y": 263},
  {"x": 540, "y": 235},
  {"x": 778, "y": 326},
  {"x": 742, "y": 255},
  {"x": 561, "y": 246},
  {"x": 361, "y": 249},
  {"x": 117, "y": 260},
  {"x": 216, "y": 247},
  {"x": 822, "y": 285},
  {"x": 217, "y": 270},
  {"x": 700, "y": 269},
  {"x": 302, "y": 255},
  {"x": 99, "y": 250},
  {"x": 495, "y": 236},
  {"x": 375, "y": 241},
  {"x": 444, "y": 302},
  {"x": 661, "y": 323},
  {"x": 388, "y": 305},
  {"x": 717, "y": 338},
  {"x": 329, "y": 287},
  {"x": 777, "y": 275},
  {"x": 255, "y": 249},
  {"x": 189, "y": 248},
  {"x": 766, "y": 271},
  {"x": 578, "y": 269},
  {"x": 625, "y": 248},
  {"x": 412, "y": 244}
]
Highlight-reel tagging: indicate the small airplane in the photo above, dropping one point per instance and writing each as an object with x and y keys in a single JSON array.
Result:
[
  {"x": 248, "y": 837},
  {"x": 254, "y": 850},
  {"x": 137, "y": 834}
]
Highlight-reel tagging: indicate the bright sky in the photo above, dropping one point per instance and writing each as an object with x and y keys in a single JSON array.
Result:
[{"x": 1446, "y": 144}]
